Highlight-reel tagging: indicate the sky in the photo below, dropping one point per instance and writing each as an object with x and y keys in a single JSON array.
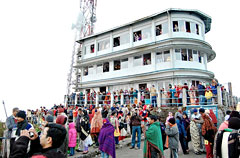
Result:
[{"x": 36, "y": 43}]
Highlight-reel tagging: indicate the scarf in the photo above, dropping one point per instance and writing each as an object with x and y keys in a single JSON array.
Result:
[
  {"x": 213, "y": 116},
  {"x": 208, "y": 128},
  {"x": 96, "y": 123},
  {"x": 153, "y": 140},
  {"x": 21, "y": 126},
  {"x": 106, "y": 139}
]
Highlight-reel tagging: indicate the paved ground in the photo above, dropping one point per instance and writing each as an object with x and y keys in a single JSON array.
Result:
[{"x": 125, "y": 152}]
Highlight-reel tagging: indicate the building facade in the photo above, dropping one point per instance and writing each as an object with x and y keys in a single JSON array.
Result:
[{"x": 165, "y": 48}]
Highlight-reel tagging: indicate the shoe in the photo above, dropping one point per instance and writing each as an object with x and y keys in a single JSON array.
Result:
[
  {"x": 131, "y": 147},
  {"x": 78, "y": 150},
  {"x": 85, "y": 152},
  {"x": 136, "y": 148},
  {"x": 198, "y": 153}
]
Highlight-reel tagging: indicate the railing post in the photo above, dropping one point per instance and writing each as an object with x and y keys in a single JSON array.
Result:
[
  {"x": 122, "y": 99},
  {"x": 158, "y": 98},
  {"x": 184, "y": 98},
  {"x": 219, "y": 95},
  {"x": 97, "y": 100},
  {"x": 139, "y": 97}
]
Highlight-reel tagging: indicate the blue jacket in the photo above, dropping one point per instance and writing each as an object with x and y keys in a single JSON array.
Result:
[
  {"x": 214, "y": 89},
  {"x": 201, "y": 89},
  {"x": 181, "y": 128}
]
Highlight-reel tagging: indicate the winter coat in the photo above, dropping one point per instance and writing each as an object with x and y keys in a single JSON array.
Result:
[
  {"x": 10, "y": 122},
  {"x": 72, "y": 138},
  {"x": 21, "y": 145},
  {"x": 173, "y": 136}
]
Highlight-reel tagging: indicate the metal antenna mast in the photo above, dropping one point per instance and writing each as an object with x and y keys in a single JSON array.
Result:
[{"x": 83, "y": 27}]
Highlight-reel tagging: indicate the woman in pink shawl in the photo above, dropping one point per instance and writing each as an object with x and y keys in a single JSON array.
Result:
[{"x": 96, "y": 126}]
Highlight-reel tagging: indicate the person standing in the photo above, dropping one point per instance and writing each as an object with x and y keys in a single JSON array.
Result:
[
  {"x": 208, "y": 132},
  {"x": 153, "y": 144},
  {"x": 135, "y": 122},
  {"x": 114, "y": 121},
  {"x": 153, "y": 92},
  {"x": 182, "y": 134},
  {"x": 201, "y": 93},
  {"x": 186, "y": 124},
  {"x": 61, "y": 120},
  {"x": 106, "y": 140},
  {"x": 96, "y": 126},
  {"x": 11, "y": 124},
  {"x": 172, "y": 137},
  {"x": 72, "y": 133}
]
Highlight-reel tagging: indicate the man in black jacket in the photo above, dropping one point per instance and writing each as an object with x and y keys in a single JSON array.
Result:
[{"x": 52, "y": 137}]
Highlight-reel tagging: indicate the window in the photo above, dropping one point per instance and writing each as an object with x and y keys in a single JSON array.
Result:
[
  {"x": 195, "y": 55},
  {"x": 181, "y": 26},
  {"x": 137, "y": 36},
  {"x": 158, "y": 30},
  {"x": 85, "y": 71},
  {"x": 90, "y": 70},
  {"x": 166, "y": 56},
  {"x": 175, "y": 26},
  {"x": 106, "y": 67},
  {"x": 190, "y": 55},
  {"x": 102, "y": 45},
  {"x": 147, "y": 59},
  {"x": 124, "y": 39},
  {"x": 116, "y": 42},
  {"x": 146, "y": 33},
  {"x": 178, "y": 54},
  {"x": 99, "y": 68},
  {"x": 92, "y": 48},
  {"x": 137, "y": 61},
  {"x": 184, "y": 54},
  {"x": 197, "y": 29},
  {"x": 165, "y": 28},
  {"x": 159, "y": 57},
  {"x": 117, "y": 65},
  {"x": 87, "y": 50},
  {"x": 199, "y": 57},
  {"x": 124, "y": 63},
  {"x": 188, "y": 27}
]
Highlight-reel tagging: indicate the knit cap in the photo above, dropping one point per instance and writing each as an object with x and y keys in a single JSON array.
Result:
[
  {"x": 21, "y": 114},
  {"x": 49, "y": 118}
]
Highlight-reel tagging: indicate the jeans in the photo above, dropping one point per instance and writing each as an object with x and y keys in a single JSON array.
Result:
[
  {"x": 154, "y": 101},
  {"x": 72, "y": 151},
  {"x": 209, "y": 101},
  {"x": 136, "y": 129},
  {"x": 201, "y": 99},
  {"x": 116, "y": 140},
  {"x": 183, "y": 143},
  {"x": 103, "y": 155},
  {"x": 174, "y": 153}
]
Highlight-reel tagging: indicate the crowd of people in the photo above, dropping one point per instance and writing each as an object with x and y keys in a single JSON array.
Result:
[
  {"x": 62, "y": 131},
  {"x": 171, "y": 96}
]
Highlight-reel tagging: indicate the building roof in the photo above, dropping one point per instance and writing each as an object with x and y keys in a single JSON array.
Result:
[{"x": 206, "y": 19}]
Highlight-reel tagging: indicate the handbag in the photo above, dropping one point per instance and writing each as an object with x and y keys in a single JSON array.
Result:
[{"x": 116, "y": 133}]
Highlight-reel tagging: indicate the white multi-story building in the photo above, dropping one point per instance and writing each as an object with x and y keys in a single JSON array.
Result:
[{"x": 165, "y": 48}]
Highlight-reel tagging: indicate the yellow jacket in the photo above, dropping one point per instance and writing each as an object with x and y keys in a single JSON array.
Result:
[{"x": 208, "y": 94}]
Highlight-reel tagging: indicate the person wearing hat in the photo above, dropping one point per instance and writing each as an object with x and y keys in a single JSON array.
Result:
[
  {"x": 22, "y": 123},
  {"x": 172, "y": 137},
  {"x": 227, "y": 141},
  {"x": 195, "y": 131}
]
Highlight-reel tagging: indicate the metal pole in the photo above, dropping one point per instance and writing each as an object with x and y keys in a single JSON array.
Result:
[{"x": 5, "y": 109}]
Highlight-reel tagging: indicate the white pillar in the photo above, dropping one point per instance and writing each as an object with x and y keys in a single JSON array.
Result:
[
  {"x": 219, "y": 95},
  {"x": 97, "y": 100},
  {"x": 139, "y": 97},
  {"x": 158, "y": 98},
  {"x": 122, "y": 99},
  {"x": 112, "y": 99},
  {"x": 184, "y": 99}
]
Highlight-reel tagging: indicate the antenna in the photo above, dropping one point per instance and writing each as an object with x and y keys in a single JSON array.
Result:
[{"x": 83, "y": 27}]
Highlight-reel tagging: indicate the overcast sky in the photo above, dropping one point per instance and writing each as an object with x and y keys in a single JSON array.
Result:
[{"x": 36, "y": 43}]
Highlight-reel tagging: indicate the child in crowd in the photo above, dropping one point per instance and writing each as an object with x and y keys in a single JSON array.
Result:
[
  {"x": 72, "y": 138},
  {"x": 172, "y": 137}
]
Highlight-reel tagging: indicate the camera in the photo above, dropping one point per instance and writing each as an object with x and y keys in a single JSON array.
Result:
[{"x": 31, "y": 134}]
